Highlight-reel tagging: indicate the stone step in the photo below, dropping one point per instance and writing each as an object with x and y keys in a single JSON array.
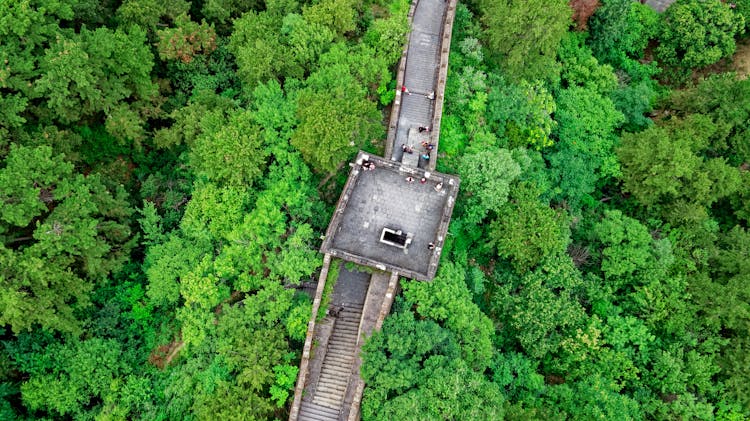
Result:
[
  {"x": 333, "y": 403},
  {"x": 312, "y": 407},
  {"x": 348, "y": 328},
  {"x": 336, "y": 369},
  {"x": 310, "y": 411},
  {"x": 334, "y": 390},
  {"x": 344, "y": 335},
  {"x": 341, "y": 360},
  {"x": 348, "y": 322},
  {"x": 333, "y": 394},
  {"x": 337, "y": 374},
  {"x": 342, "y": 342},
  {"x": 345, "y": 331},
  {"x": 342, "y": 347}
]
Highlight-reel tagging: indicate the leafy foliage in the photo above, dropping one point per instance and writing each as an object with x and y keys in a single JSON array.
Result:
[
  {"x": 525, "y": 34},
  {"x": 532, "y": 233},
  {"x": 158, "y": 219},
  {"x": 186, "y": 40},
  {"x": 62, "y": 233},
  {"x": 698, "y": 33}
]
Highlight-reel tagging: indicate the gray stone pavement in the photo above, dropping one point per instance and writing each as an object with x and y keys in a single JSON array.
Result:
[
  {"x": 383, "y": 198},
  {"x": 659, "y": 5},
  {"x": 351, "y": 287},
  {"x": 421, "y": 73},
  {"x": 372, "y": 200}
]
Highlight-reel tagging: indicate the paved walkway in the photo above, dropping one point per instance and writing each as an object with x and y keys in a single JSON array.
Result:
[
  {"x": 329, "y": 386},
  {"x": 337, "y": 336},
  {"x": 420, "y": 78}
]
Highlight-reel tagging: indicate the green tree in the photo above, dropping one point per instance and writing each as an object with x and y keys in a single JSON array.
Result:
[
  {"x": 581, "y": 68},
  {"x": 447, "y": 300},
  {"x": 521, "y": 113},
  {"x": 229, "y": 151},
  {"x": 335, "y": 117},
  {"x": 98, "y": 71},
  {"x": 148, "y": 14},
  {"x": 698, "y": 33},
  {"x": 340, "y": 16},
  {"x": 526, "y": 230},
  {"x": 26, "y": 28},
  {"x": 388, "y": 36},
  {"x": 222, "y": 11},
  {"x": 432, "y": 365},
  {"x": 594, "y": 397},
  {"x": 627, "y": 244},
  {"x": 70, "y": 379},
  {"x": 665, "y": 165},
  {"x": 186, "y": 40},
  {"x": 525, "y": 34},
  {"x": 540, "y": 310},
  {"x": 486, "y": 177},
  {"x": 620, "y": 31},
  {"x": 726, "y": 100},
  {"x": 585, "y": 151},
  {"x": 257, "y": 47},
  {"x": 306, "y": 41},
  {"x": 61, "y": 234}
]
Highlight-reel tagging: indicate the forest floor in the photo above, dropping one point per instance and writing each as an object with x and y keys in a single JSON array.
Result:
[{"x": 741, "y": 62}]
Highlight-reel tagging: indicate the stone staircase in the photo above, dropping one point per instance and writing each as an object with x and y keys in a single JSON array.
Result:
[
  {"x": 326, "y": 393},
  {"x": 332, "y": 389},
  {"x": 337, "y": 364},
  {"x": 314, "y": 412}
]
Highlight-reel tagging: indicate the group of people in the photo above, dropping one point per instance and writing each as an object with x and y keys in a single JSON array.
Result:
[
  {"x": 368, "y": 166},
  {"x": 430, "y": 95},
  {"x": 428, "y": 146},
  {"x": 422, "y": 180}
]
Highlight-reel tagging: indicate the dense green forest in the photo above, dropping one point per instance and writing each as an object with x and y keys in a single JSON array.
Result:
[{"x": 168, "y": 168}]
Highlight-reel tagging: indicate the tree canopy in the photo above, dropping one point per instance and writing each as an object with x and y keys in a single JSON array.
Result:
[{"x": 168, "y": 170}]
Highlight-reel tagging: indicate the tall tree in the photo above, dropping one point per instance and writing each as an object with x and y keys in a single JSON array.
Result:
[
  {"x": 525, "y": 35},
  {"x": 665, "y": 165},
  {"x": 698, "y": 33},
  {"x": 526, "y": 229},
  {"x": 486, "y": 177},
  {"x": 521, "y": 113},
  {"x": 234, "y": 142},
  {"x": 61, "y": 233},
  {"x": 335, "y": 115},
  {"x": 620, "y": 30},
  {"x": 585, "y": 152},
  {"x": 99, "y": 71}
]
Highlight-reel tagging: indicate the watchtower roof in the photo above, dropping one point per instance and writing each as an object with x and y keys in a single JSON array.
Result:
[{"x": 392, "y": 217}]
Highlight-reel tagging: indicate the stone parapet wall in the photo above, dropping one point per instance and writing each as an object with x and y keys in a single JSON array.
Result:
[
  {"x": 307, "y": 350},
  {"x": 445, "y": 46},
  {"x": 396, "y": 108}
]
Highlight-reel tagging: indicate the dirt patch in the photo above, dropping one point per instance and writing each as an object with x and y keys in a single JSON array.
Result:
[
  {"x": 164, "y": 354},
  {"x": 741, "y": 62}
]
